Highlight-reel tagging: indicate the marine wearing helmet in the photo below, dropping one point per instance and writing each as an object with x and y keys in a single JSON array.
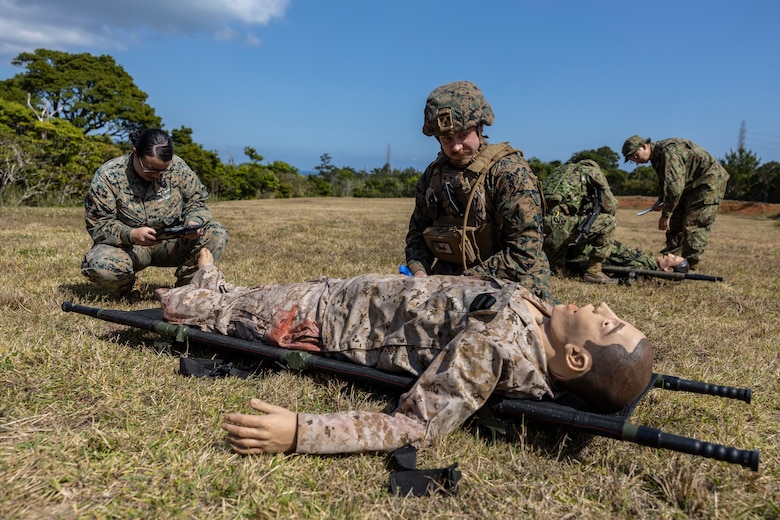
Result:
[{"x": 478, "y": 205}]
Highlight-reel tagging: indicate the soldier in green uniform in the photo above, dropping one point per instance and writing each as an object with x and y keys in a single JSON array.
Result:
[
  {"x": 621, "y": 255},
  {"x": 573, "y": 192},
  {"x": 478, "y": 206},
  {"x": 130, "y": 199},
  {"x": 692, "y": 184}
]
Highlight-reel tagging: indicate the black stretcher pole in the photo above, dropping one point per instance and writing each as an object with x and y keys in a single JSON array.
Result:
[
  {"x": 697, "y": 387},
  {"x": 669, "y": 275},
  {"x": 294, "y": 359},
  {"x": 616, "y": 427}
]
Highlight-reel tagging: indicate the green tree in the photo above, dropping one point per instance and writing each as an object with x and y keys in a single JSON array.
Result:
[
  {"x": 542, "y": 169},
  {"x": 48, "y": 161},
  {"x": 642, "y": 181},
  {"x": 742, "y": 166},
  {"x": 318, "y": 187},
  {"x": 254, "y": 180},
  {"x": 93, "y": 93},
  {"x": 205, "y": 163},
  {"x": 66, "y": 161},
  {"x": 345, "y": 182},
  {"x": 17, "y": 154},
  {"x": 766, "y": 183},
  {"x": 409, "y": 178},
  {"x": 291, "y": 183},
  {"x": 325, "y": 169},
  {"x": 342, "y": 182},
  {"x": 607, "y": 159},
  {"x": 16, "y": 117}
]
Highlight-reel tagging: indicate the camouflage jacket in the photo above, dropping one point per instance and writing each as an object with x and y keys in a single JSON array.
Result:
[
  {"x": 510, "y": 203},
  {"x": 568, "y": 189},
  {"x": 119, "y": 200},
  {"x": 421, "y": 326},
  {"x": 683, "y": 166}
]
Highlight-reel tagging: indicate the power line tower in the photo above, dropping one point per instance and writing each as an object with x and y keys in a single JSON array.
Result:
[
  {"x": 388, "y": 157},
  {"x": 741, "y": 141}
]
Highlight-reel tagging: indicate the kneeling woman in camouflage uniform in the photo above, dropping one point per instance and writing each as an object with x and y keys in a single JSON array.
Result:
[
  {"x": 134, "y": 196},
  {"x": 462, "y": 337}
]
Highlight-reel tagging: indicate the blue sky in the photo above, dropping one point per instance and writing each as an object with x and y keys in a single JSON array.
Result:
[{"x": 296, "y": 79}]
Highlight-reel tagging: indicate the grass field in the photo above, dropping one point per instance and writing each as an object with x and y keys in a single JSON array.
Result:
[{"x": 95, "y": 422}]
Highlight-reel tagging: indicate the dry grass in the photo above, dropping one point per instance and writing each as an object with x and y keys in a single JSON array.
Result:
[{"x": 95, "y": 422}]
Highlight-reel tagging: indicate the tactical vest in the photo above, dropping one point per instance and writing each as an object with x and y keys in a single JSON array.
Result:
[{"x": 463, "y": 232}]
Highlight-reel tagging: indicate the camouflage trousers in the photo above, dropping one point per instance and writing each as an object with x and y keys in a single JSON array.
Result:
[
  {"x": 560, "y": 232},
  {"x": 691, "y": 222},
  {"x": 619, "y": 255},
  {"x": 114, "y": 268}
]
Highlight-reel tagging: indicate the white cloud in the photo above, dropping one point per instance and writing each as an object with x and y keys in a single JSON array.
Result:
[
  {"x": 251, "y": 40},
  {"x": 26, "y": 25},
  {"x": 247, "y": 11}
]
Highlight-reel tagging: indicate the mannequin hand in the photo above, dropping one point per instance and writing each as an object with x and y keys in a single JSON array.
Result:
[{"x": 272, "y": 432}]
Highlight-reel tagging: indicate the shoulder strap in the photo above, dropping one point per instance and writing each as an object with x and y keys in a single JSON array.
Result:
[
  {"x": 482, "y": 165},
  {"x": 490, "y": 156}
]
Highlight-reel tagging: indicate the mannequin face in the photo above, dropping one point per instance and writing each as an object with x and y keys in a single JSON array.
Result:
[
  {"x": 570, "y": 327},
  {"x": 669, "y": 261}
]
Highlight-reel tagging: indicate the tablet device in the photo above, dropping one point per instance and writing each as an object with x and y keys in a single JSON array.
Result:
[{"x": 168, "y": 233}]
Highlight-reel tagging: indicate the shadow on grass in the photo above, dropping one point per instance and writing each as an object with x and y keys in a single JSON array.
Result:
[
  {"x": 549, "y": 440},
  {"x": 87, "y": 292}
]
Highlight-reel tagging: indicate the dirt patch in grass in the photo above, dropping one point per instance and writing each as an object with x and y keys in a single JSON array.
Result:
[{"x": 732, "y": 207}]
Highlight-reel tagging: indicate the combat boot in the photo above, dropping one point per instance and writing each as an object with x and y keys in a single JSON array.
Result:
[
  {"x": 594, "y": 274},
  {"x": 693, "y": 264},
  {"x": 133, "y": 294}
]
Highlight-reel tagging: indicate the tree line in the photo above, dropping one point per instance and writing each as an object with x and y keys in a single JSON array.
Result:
[{"x": 65, "y": 114}]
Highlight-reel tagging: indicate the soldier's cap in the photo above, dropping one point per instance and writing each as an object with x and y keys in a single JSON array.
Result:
[{"x": 633, "y": 144}]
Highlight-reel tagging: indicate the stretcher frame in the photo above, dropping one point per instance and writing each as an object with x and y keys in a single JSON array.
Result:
[{"x": 569, "y": 413}]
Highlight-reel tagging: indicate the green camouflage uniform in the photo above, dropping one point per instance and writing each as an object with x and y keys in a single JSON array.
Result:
[
  {"x": 119, "y": 200},
  {"x": 508, "y": 205},
  {"x": 568, "y": 192},
  {"x": 693, "y": 183},
  {"x": 619, "y": 255},
  {"x": 422, "y": 326}
]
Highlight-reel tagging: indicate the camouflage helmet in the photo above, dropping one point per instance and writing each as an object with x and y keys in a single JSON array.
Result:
[{"x": 454, "y": 107}]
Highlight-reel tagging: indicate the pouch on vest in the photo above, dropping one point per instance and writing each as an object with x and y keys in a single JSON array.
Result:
[
  {"x": 558, "y": 231},
  {"x": 446, "y": 243}
]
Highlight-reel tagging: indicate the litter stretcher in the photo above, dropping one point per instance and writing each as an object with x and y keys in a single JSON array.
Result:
[{"x": 567, "y": 412}]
